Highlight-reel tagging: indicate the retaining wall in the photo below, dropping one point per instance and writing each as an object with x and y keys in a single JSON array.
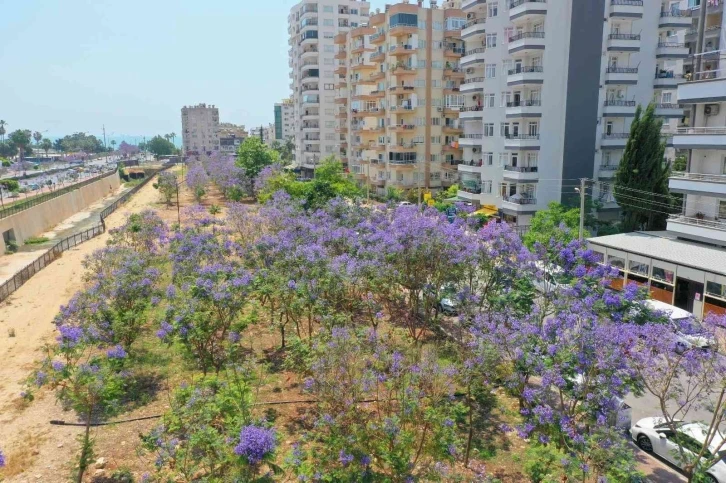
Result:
[{"x": 40, "y": 218}]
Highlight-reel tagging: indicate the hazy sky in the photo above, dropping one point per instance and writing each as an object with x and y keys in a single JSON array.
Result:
[{"x": 74, "y": 65}]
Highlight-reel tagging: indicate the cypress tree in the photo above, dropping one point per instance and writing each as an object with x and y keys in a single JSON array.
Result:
[{"x": 643, "y": 168}]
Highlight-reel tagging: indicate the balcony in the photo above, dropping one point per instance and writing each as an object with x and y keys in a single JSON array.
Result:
[
  {"x": 454, "y": 52},
  {"x": 528, "y": 74},
  {"x": 713, "y": 185},
  {"x": 619, "y": 108},
  {"x": 614, "y": 140},
  {"x": 519, "y": 203},
  {"x": 401, "y": 128},
  {"x": 473, "y": 56},
  {"x": 669, "y": 111},
  {"x": 675, "y": 19},
  {"x": 698, "y": 228},
  {"x": 473, "y": 27},
  {"x": 623, "y": 43},
  {"x": 474, "y": 84},
  {"x": 524, "y": 108},
  {"x": 401, "y": 70},
  {"x": 401, "y": 89},
  {"x": 527, "y": 9},
  {"x": 471, "y": 113},
  {"x": 525, "y": 42},
  {"x": 470, "y": 166},
  {"x": 628, "y": 9},
  {"x": 521, "y": 141},
  {"x": 621, "y": 75},
  {"x": 667, "y": 80},
  {"x": 403, "y": 29},
  {"x": 671, "y": 50},
  {"x": 521, "y": 173},
  {"x": 469, "y": 4},
  {"x": 470, "y": 139},
  {"x": 607, "y": 170},
  {"x": 451, "y": 128},
  {"x": 453, "y": 72},
  {"x": 378, "y": 37},
  {"x": 703, "y": 87},
  {"x": 712, "y": 33},
  {"x": 401, "y": 50},
  {"x": 700, "y": 138},
  {"x": 378, "y": 56}
]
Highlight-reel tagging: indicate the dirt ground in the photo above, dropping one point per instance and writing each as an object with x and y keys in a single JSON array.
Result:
[{"x": 36, "y": 450}]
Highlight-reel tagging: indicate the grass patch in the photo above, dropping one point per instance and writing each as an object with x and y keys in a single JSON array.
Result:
[
  {"x": 133, "y": 182},
  {"x": 36, "y": 240}
]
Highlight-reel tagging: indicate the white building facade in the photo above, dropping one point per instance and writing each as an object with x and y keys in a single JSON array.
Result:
[
  {"x": 312, "y": 26},
  {"x": 551, "y": 89},
  {"x": 200, "y": 129},
  {"x": 284, "y": 120}
]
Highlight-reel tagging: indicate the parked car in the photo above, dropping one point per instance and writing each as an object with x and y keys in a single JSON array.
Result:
[
  {"x": 449, "y": 302},
  {"x": 405, "y": 203},
  {"x": 553, "y": 278},
  {"x": 621, "y": 417},
  {"x": 655, "y": 435},
  {"x": 689, "y": 333}
]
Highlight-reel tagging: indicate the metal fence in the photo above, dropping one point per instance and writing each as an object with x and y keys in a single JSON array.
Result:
[
  {"x": 36, "y": 200},
  {"x": 10, "y": 286}
]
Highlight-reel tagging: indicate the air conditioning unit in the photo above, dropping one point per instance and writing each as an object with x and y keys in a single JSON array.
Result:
[
  {"x": 470, "y": 15},
  {"x": 475, "y": 150},
  {"x": 440, "y": 109},
  {"x": 711, "y": 109}
]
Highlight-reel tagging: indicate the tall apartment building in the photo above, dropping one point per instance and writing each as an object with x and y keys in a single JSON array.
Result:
[
  {"x": 230, "y": 137},
  {"x": 398, "y": 97},
  {"x": 200, "y": 129},
  {"x": 312, "y": 26},
  {"x": 284, "y": 120},
  {"x": 551, "y": 89}
]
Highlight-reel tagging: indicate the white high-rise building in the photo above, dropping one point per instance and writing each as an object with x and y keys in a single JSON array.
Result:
[
  {"x": 312, "y": 26},
  {"x": 200, "y": 129},
  {"x": 550, "y": 91}
]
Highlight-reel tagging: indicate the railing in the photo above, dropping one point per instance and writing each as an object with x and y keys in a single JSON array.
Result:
[
  {"x": 405, "y": 87},
  {"x": 473, "y": 80},
  {"x": 629, "y": 3},
  {"x": 713, "y": 178},
  {"x": 402, "y": 161},
  {"x": 517, "y": 3},
  {"x": 700, "y": 130},
  {"x": 525, "y": 69},
  {"x": 608, "y": 167},
  {"x": 478, "y": 50},
  {"x": 476, "y": 21},
  {"x": 673, "y": 45},
  {"x": 707, "y": 75},
  {"x": 452, "y": 162},
  {"x": 624, "y": 36},
  {"x": 521, "y": 169},
  {"x": 36, "y": 200},
  {"x": 667, "y": 106},
  {"x": 456, "y": 50},
  {"x": 520, "y": 200},
  {"x": 474, "y": 190},
  {"x": 471, "y": 108},
  {"x": 675, "y": 13},
  {"x": 17, "y": 280},
  {"x": 527, "y": 35},
  {"x": 621, "y": 70},
  {"x": 377, "y": 36},
  {"x": 613, "y": 103},
  {"x": 399, "y": 47},
  {"x": 668, "y": 75},
  {"x": 522, "y": 137},
  {"x": 525, "y": 103},
  {"x": 616, "y": 135},
  {"x": 403, "y": 126},
  {"x": 687, "y": 220}
]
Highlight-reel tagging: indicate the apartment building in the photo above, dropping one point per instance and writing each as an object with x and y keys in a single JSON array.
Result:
[
  {"x": 686, "y": 265},
  {"x": 284, "y": 120},
  {"x": 312, "y": 26},
  {"x": 551, "y": 88},
  {"x": 200, "y": 129},
  {"x": 230, "y": 137},
  {"x": 398, "y": 97}
]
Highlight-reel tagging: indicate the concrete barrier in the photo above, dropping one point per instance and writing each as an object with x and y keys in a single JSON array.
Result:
[{"x": 40, "y": 218}]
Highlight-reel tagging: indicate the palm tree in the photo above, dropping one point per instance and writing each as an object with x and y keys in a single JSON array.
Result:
[
  {"x": 173, "y": 137},
  {"x": 2, "y": 130},
  {"x": 46, "y": 145},
  {"x": 37, "y": 136},
  {"x": 113, "y": 145}
]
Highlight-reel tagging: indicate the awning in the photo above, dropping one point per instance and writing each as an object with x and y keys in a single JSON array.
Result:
[{"x": 487, "y": 210}]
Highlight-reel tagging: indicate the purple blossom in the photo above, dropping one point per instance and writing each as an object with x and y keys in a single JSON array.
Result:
[
  {"x": 57, "y": 366},
  {"x": 116, "y": 352},
  {"x": 2, "y": 459},
  {"x": 345, "y": 458},
  {"x": 40, "y": 378},
  {"x": 255, "y": 443}
]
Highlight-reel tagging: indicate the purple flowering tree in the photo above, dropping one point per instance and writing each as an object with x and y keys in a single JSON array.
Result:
[
  {"x": 197, "y": 180},
  {"x": 143, "y": 232}
]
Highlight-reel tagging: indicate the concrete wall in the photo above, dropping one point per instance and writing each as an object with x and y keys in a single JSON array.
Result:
[{"x": 40, "y": 218}]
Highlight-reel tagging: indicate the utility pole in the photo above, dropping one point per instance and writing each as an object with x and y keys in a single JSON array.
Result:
[
  {"x": 104, "y": 138},
  {"x": 418, "y": 182},
  {"x": 368, "y": 183},
  {"x": 582, "y": 208}
]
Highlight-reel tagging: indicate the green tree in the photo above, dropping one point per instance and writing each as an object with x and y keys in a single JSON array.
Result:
[
  {"x": 8, "y": 150},
  {"x": 10, "y": 184},
  {"x": 253, "y": 155},
  {"x": 6, "y": 163},
  {"x": 2, "y": 130},
  {"x": 46, "y": 145},
  {"x": 642, "y": 168},
  {"x": 37, "y": 136},
  {"x": 159, "y": 146},
  {"x": 21, "y": 140},
  {"x": 548, "y": 224},
  {"x": 81, "y": 141},
  {"x": 680, "y": 163},
  {"x": 58, "y": 145},
  {"x": 113, "y": 145},
  {"x": 285, "y": 149}
]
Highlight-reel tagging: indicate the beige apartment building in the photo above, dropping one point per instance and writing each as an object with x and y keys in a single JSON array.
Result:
[
  {"x": 398, "y": 100},
  {"x": 200, "y": 129}
]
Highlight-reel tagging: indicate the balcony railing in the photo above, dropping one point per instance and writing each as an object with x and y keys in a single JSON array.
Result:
[
  {"x": 471, "y": 108},
  {"x": 456, "y": 50},
  {"x": 403, "y": 126},
  {"x": 613, "y": 103},
  {"x": 713, "y": 178},
  {"x": 478, "y": 50},
  {"x": 667, "y": 74},
  {"x": 520, "y": 200},
  {"x": 476, "y": 21},
  {"x": 701, "y": 130},
  {"x": 624, "y": 36},
  {"x": 621, "y": 70},
  {"x": 667, "y": 106},
  {"x": 608, "y": 167},
  {"x": 405, "y": 87},
  {"x": 707, "y": 74},
  {"x": 629, "y": 3},
  {"x": 517, "y": 3},
  {"x": 400, "y": 47},
  {"x": 452, "y": 162},
  {"x": 526, "y": 69},
  {"x": 687, "y": 220},
  {"x": 521, "y": 169},
  {"x": 475, "y": 190},
  {"x": 522, "y": 137},
  {"x": 675, "y": 13},
  {"x": 525, "y": 103},
  {"x": 674, "y": 45},
  {"x": 616, "y": 135},
  {"x": 472, "y": 136},
  {"x": 527, "y": 35},
  {"x": 473, "y": 80}
]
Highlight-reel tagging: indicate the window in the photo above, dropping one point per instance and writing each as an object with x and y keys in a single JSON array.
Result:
[
  {"x": 330, "y": 124},
  {"x": 506, "y": 98},
  {"x": 435, "y": 83},
  {"x": 403, "y": 19},
  {"x": 491, "y": 40},
  {"x": 487, "y": 159},
  {"x": 488, "y": 100},
  {"x": 435, "y": 158},
  {"x": 436, "y": 121},
  {"x": 421, "y": 44},
  {"x": 508, "y": 32},
  {"x": 503, "y": 159},
  {"x": 438, "y": 26},
  {"x": 490, "y": 71},
  {"x": 489, "y": 129},
  {"x": 328, "y": 9},
  {"x": 329, "y": 48},
  {"x": 421, "y": 64},
  {"x": 533, "y": 127},
  {"x": 666, "y": 98},
  {"x": 328, "y": 35},
  {"x": 492, "y": 9},
  {"x": 437, "y": 64},
  {"x": 330, "y": 136},
  {"x": 722, "y": 209},
  {"x": 435, "y": 139},
  {"x": 421, "y": 101},
  {"x": 455, "y": 23},
  {"x": 504, "y": 129},
  {"x": 486, "y": 187},
  {"x": 418, "y": 140},
  {"x": 422, "y": 24},
  {"x": 328, "y": 22},
  {"x": 328, "y": 73},
  {"x": 328, "y": 62},
  {"x": 420, "y": 121},
  {"x": 419, "y": 83}
]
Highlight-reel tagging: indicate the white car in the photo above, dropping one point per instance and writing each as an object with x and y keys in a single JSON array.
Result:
[
  {"x": 654, "y": 435},
  {"x": 688, "y": 331}
]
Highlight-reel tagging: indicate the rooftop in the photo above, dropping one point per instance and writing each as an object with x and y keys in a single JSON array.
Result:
[{"x": 663, "y": 245}]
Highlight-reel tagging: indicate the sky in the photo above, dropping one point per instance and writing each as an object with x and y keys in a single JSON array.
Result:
[{"x": 75, "y": 65}]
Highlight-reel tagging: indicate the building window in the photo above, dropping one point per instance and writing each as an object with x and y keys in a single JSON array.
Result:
[
  {"x": 421, "y": 44},
  {"x": 403, "y": 20},
  {"x": 486, "y": 187},
  {"x": 487, "y": 159},
  {"x": 506, "y": 97},
  {"x": 329, "y": 87},
  {"x": 330, "y": 136},
  {"x": 328, "y": 22},
  {"x": 421, "y": 64},
  {"x": 330, "y": 124},
  {"x": 508, "y": 32},
  {"x": 329, "y": 48},
  {"x": 490, "y": 71},
  {"x": 436, "y": 121},
  {"x": 503, "y": 159},
  {"x": 488, "y": 100},
  {"x": 437, "y": 64},
  {"x": 489, "y": 129},
  {"x": 328, "y": 62},
  {"x": 420, "y": 83},
  {"x": 435, "y": 139},
  {"x": 328, "y": 35},
  {"x": 328, "y": 9},
  {"x": 438, "y": 26},
  {"x": 435, "y": 83},
  {"x": 491, "y": 40},
  {"x": 492, "y": 9}
]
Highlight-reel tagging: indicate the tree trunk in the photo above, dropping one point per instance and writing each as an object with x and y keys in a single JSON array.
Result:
[{"x": 470, "y": 436}]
